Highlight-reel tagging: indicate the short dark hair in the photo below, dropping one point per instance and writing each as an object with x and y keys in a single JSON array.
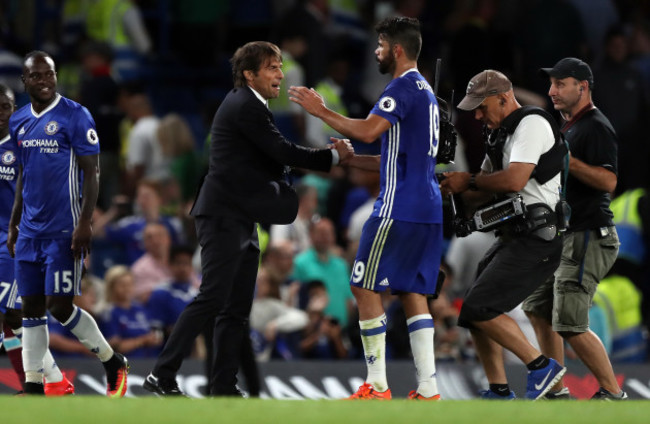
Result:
[
  {"x": 402, "y": 31},
  {"x": 315, "y": 284},
  {"x": 178, "y": 250},
  {"x": 35, "y": 53},
  {"x": 7, "y": 91},
  {"x": 250, "y": 57}
]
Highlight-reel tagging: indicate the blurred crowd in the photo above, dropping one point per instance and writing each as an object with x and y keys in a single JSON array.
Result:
[{"x": 152, "y": 74}]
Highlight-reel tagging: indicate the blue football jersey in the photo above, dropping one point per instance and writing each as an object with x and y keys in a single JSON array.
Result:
[
  {"x": 409, "y": 189},
  {"x": 48, "y": 145},
  {"x": 8, "y": 175}
]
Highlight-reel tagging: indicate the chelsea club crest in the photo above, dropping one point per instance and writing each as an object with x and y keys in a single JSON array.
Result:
[
  {"x": 51, "y": 127},
  {"x": 8, "y": 158}
]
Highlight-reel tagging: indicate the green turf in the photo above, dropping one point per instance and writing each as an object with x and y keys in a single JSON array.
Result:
[{"x": 97, "y": 410}]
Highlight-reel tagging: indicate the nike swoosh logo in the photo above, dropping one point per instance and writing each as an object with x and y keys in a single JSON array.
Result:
[{"x": 540, "y": 385}]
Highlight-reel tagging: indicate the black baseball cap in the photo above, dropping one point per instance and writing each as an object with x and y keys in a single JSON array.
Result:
[{"x": 570, "y": 67}]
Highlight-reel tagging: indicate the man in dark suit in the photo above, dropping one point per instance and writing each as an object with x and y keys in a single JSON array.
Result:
[{"x": 245, "y": 184}]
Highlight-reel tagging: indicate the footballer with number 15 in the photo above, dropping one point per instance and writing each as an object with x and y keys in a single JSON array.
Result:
[{"x": 50, "y": 227}]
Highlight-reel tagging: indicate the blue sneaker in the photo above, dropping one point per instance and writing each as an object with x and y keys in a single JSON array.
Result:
[
  {"x": 542, "y": 380},
  {"x": 489, "y": 394}
]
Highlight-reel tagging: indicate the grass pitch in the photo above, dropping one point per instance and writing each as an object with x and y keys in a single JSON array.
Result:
[{"x": 98, "y": 410}]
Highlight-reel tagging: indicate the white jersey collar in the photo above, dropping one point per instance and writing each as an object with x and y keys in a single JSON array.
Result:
[
  {"x": 5, "y": 139},
  {"x": 409, "y": 70},
  {"x": 47, "y": 109}
]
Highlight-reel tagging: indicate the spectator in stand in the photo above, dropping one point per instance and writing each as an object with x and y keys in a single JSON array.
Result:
[
  {"x": 152, "y": 269},
  {"x": 168, "y": 300},
  {"x": 144, "y": 157},
  {"x": 317, "y": 132},
  {"x": 309, "y": 19},
  {"x": 322, "y": 262},
  {"x": 272, "y": 321},
  {"x": 290, "y": 119},
  {"x": 125, "y": 323},
  {"x": 298, "y": 231},
  {"x": 128, "y": 231},
  {"x": 278, "y": 262},
  {"x": 120, "y": 24},
  {"x": 322, "y": 337},
  {"x": 179, "y": 148}
]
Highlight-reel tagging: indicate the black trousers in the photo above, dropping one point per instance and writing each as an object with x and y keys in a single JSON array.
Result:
[
  {"x": 248, "y": 363},
  {"x": 510, "y": 271},
  {"x": 229, "y": 260}
]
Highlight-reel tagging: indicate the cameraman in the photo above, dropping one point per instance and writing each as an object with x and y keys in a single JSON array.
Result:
[{"x": 521, "y": 259}]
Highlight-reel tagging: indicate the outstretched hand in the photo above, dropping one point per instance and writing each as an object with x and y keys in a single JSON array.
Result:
[
  {"x": 308, "y": 98},
  {"x": 345, "y": 149}
]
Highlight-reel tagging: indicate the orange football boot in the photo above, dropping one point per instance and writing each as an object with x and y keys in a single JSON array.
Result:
[
  {"x": 416, "y": 396},
  {"x": 62, "y": 388},
  {"x": 367, "y": 391}
]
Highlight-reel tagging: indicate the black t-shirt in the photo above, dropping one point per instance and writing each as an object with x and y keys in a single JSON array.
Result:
[{"x": 592, "y": 139}]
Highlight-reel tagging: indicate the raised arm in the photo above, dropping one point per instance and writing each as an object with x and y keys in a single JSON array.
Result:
[{"x": 365, "y": 130}]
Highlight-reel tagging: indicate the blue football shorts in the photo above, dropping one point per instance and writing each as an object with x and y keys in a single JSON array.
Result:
[
  {"x": 9, "y": 298},
  {"x": 47, "y": 267},
  {"x": 398, "y": 255}
]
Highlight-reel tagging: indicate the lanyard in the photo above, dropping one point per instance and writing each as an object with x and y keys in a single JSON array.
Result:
[{"x": 577, "y": 116}]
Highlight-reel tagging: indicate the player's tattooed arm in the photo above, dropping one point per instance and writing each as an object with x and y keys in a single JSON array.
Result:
[{"x": 82, "y": 234}]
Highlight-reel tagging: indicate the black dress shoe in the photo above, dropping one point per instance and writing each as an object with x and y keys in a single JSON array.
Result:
[{"x": 162, "y": 386}]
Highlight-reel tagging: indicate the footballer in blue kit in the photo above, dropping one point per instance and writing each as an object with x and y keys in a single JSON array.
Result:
[
  {"x": 49, "y": 143},
  {"x": 8, "y": 173},
  {"x": 50, "y": 226},
  {"x": 399, "y": 249},
  {"x": 401, "y": 243},
  {"x": 56, "y": 384},
  {"x": 9, "y": 300}
]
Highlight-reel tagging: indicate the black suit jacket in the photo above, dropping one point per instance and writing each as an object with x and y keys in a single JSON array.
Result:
[{"x": 247, "y": 164}]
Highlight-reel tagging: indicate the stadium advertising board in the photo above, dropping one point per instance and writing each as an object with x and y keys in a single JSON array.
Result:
[{"x": 332, "y": 380}]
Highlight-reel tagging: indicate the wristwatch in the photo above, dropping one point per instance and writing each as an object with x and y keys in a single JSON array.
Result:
[{"x": 472, "y": 182}]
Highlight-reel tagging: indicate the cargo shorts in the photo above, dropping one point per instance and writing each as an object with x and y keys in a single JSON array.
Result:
[{"x": 565, "y": 299}]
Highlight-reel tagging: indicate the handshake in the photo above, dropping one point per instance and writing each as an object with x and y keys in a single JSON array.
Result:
[{"x": 344, "y": 149}]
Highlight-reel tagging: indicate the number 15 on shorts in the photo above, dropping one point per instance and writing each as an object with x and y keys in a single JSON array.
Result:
[{"x": 63, "y": 283}]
